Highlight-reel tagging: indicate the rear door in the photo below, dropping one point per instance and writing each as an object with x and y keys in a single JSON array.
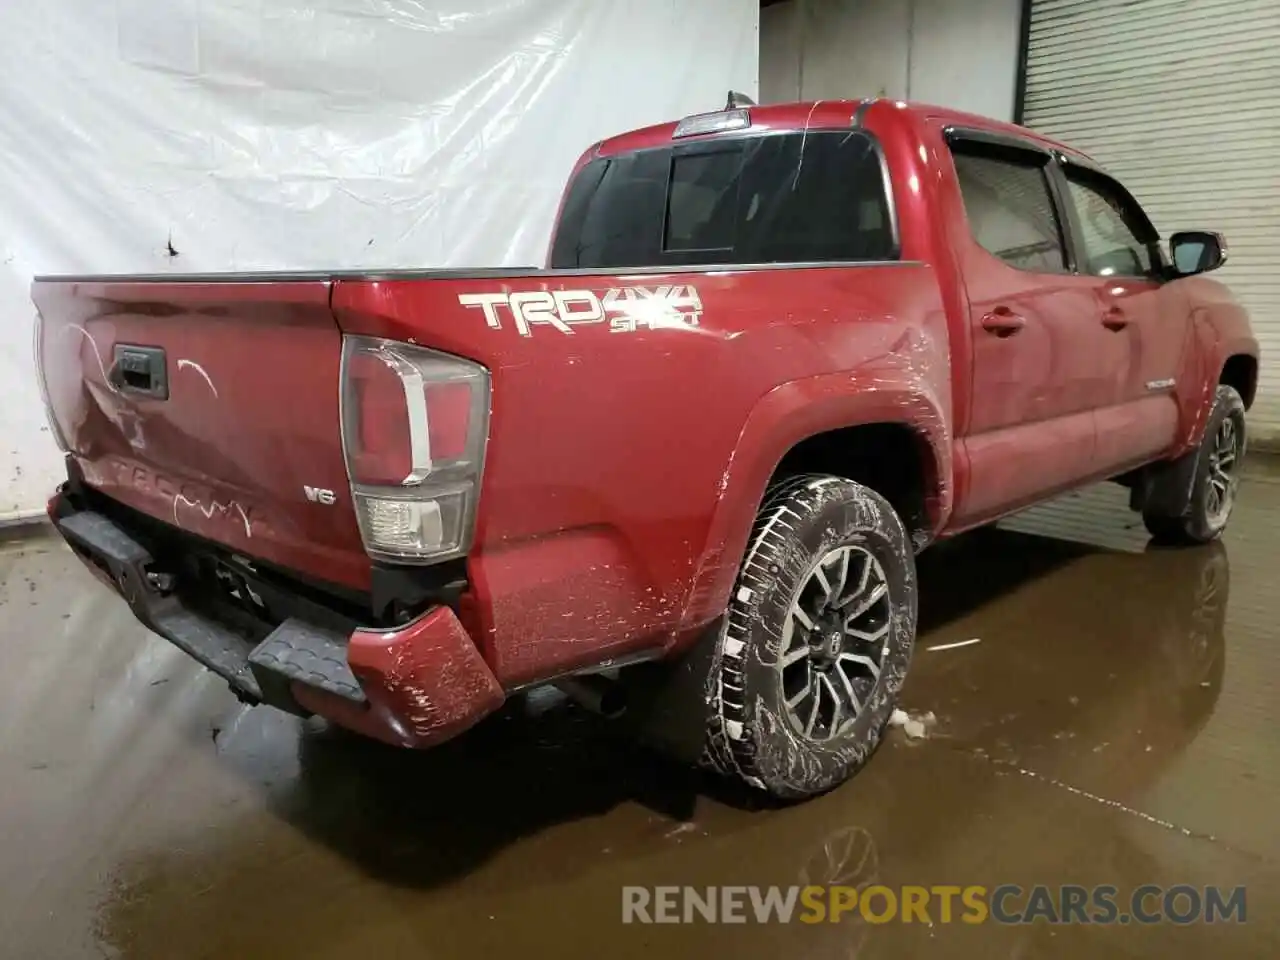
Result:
[
  {"x": 211, "y": 406},
  {"x": 1042, "y": 362},
  {"x": 1118, "y": 250}
]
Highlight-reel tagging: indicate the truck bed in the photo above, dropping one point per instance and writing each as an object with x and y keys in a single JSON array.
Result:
[{"x": 580, "y": 482}]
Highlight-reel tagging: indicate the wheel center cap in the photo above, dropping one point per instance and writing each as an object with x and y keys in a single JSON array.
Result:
[{"x": 826, "y": 645}]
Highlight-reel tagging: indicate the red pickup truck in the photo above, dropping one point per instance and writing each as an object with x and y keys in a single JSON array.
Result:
[{"x": 683, "y": 471}]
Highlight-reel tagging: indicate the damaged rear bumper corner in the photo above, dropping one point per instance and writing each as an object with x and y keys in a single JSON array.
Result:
[
  {"x": 425, "y": 683},
  {"x": 414, "y": 686}
]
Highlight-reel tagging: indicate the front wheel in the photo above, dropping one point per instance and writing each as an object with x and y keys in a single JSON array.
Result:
[
  {"x": 817, "y": 639},
  {"x": 1216, "y": 479}
]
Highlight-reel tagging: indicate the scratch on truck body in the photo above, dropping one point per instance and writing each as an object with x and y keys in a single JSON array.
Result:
[
  {"x": 97, "y": 354},
  {"x": 209, "y": 511},
  {"x": 184, "y": 363}
]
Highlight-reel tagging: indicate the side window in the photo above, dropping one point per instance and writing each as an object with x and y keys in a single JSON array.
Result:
[
  {"x": 1110, "y": 238},
  {"x": 817, "y": 198},
  {"x": 1010, "y": 208},
  {"x": 613, "y": 214}
]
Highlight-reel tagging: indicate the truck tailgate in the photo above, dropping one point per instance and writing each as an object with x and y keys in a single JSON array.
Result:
[{"x": 209, "y": 405}]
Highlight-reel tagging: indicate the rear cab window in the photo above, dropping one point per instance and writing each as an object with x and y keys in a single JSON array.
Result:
[{"x": 807, "y": 197}]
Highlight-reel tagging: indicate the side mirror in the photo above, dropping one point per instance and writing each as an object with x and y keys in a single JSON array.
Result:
[{"x": 1197, "y": 251}]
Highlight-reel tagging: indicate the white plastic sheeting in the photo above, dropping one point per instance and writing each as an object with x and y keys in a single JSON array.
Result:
[{"x": 204, "y": 135}]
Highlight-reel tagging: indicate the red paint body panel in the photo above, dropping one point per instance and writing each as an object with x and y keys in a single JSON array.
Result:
[
  {"x": 612, "y": 453},
  {"x": 1217, "y": 330},
  {"x": 425, "y": 683},
  {"x": 251, "y": 417},
  {"x": 624, "y": 466}
]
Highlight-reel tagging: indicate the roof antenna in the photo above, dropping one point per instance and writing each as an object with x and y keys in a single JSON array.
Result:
[{"x": 737, "y": 100}]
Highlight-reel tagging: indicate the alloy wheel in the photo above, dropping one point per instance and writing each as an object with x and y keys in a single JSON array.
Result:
[
  {"x": 834, "y": 642},
  {"x": 1224, "y": 463}
]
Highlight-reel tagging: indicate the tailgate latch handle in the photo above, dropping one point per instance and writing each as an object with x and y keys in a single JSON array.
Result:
[{"x": 139, "y": 370}]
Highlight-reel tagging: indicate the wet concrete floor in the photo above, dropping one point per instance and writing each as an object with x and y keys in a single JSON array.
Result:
[{"x": 1116, "y": 724}]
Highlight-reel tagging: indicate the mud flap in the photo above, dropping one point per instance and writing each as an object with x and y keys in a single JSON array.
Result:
[
  {"x": 666, "y": 701},
  {"x": 1164, "y": 488}
]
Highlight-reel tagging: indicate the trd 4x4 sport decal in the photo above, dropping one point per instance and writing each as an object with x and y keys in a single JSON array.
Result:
[{"x": 627, "y": 309}]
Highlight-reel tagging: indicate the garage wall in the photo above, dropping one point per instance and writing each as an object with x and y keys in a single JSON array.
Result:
[
  {"x": 954, "y": 53},
  {"x": 1181, "y": 101},
  {"x": 178, "y": 135}
]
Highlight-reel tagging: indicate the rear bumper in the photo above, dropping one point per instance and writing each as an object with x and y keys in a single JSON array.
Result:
[{"x": 413, "y": 686}]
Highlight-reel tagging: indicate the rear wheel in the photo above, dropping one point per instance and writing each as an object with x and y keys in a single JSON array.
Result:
[
  {"x": 817, "y": 639},
  {"x": 1216, "y": 479}
]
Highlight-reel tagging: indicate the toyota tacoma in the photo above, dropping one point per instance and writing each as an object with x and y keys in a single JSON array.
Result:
[{"x": 683, "y": 471}]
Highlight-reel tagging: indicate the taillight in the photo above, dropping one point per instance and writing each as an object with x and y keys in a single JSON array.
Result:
[
  {"x": 414, "y": 427},
  {"x": 378, "y": 444}
]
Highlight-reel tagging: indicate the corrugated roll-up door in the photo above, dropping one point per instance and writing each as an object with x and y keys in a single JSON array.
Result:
[{"x": 1180, "y": 99}]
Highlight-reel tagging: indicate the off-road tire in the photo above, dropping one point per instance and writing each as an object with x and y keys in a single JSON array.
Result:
[
  {"x": 1197, "y": 524},
  {"x": 749, "y": 734}
]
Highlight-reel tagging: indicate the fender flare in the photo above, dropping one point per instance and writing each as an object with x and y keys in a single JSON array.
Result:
[
  {"x": 1210, "y": 352},
  {"x": 1165, "y": 487},
  {"x": 788, "y": 414},
  {"x": 1232, "y": 347}
]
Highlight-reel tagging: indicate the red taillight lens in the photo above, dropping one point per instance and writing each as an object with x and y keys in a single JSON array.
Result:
[
  {"x": 414, "y": 426},
  {"x": 379, "y": 446},
  {"x": 448, "y": 419}
]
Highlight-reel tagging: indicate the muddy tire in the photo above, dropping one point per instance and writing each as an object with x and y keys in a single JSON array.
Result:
[
  {"x": 1217, "y": 476},
  {"x": 816, "y": 641}
]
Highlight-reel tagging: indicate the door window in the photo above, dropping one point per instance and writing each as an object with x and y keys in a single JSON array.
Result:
[
  {"x": 1112, "y": 232},
  {"x": 1009, "y": 206}
]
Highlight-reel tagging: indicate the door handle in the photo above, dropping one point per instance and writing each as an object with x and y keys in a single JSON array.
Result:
[
  {"x": 139, "y": 370},
  {"x": 1002, "y": 322},
  {"x": 1114, "y": 319}
]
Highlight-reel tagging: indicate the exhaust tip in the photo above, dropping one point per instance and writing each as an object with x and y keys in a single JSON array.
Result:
[{"x": 598, "y": 694}]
